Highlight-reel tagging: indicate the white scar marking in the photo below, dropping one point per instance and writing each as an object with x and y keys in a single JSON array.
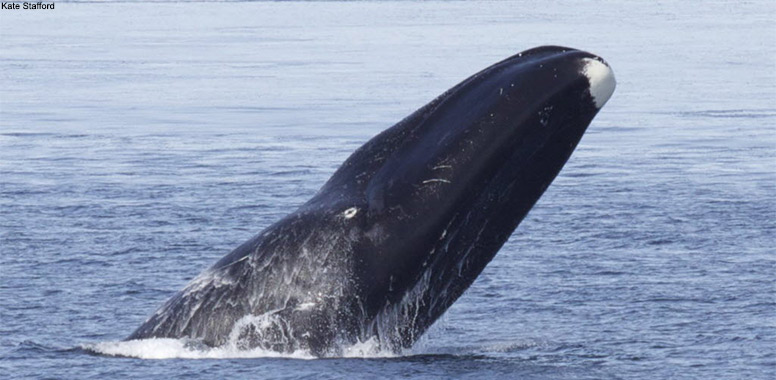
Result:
[
  {"x": 436, "y": 180},
  {"x": 305, "y": 306},
  {"x": 351, "y": 212},
  {"x": 601, "y": 79}
]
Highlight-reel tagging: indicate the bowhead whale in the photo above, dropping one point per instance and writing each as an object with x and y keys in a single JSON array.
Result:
[{"x": 408, "y": 221}]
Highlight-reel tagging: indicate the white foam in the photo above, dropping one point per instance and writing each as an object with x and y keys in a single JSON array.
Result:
[
  {"x": 165, "y": 348},
  {"x": 368, "y": 349},
  {"x": 601, "y": 79}
]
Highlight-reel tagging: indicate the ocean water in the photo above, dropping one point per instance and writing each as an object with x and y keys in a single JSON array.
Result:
[{"x": 142, "y": 141}]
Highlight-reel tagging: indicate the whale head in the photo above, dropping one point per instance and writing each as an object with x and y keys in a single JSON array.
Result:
[{"x": 429, "y": 202}]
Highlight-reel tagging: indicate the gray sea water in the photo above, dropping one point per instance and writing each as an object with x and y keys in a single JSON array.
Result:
[{"x": 140, "y": 142}]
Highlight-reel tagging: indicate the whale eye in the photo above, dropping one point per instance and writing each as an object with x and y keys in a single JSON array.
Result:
[{"x": 349, "y": 213}]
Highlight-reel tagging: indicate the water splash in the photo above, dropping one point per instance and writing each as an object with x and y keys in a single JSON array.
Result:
[{"x": 168, "y": 348}]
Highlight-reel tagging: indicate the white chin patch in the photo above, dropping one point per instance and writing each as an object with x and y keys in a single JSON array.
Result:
[{"x": 601, "y": 80}]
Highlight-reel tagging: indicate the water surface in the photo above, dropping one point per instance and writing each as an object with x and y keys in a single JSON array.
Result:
[{"x": 140, "y": 142}]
